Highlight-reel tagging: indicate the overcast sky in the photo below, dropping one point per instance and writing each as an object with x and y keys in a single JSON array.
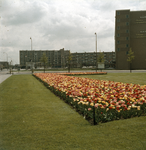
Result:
[{"x": 56, "y": 24}]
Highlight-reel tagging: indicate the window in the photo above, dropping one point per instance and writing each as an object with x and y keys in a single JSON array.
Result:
[
  {"x": 127, "y": 23},
  {"x": 127, "y": 38},
  {"x": 118, "y": 20},
  {"x": 127, "y": 16},
  {"x": 118, "y": 13},
  {"x": 118, "y": 35},
  {"x": 118, "y": 49},
  {"x": 127, "y": 31},
  {"x": 127, "y": 45},
  {"x": 118, "y": 28},
  {"x": 118, "y": 42}
]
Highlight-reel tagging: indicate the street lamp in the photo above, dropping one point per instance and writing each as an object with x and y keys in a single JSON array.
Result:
[
  {"x": 7, "y": 59},
  {"x": 96, "y": 49},
  {"x": 10, "y": 66},
  {"x": 35, "y": 59},
  {"x": 31, "y": 43},
  {"x": 32, "y": 56}
]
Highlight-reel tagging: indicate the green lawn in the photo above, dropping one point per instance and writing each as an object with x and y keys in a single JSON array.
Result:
[
  {"x": 32, "y": 118},
  {"x": 136, "y": 78}
]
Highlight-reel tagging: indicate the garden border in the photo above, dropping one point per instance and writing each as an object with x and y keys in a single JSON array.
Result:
[{"x": 94, "y": 116}]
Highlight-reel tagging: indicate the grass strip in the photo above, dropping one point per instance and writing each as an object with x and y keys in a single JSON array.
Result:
[
  {"x": 33, "y": 118},
  {"x": 134, "y": 78}
]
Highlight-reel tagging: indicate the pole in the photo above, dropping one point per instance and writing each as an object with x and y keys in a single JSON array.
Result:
[
  {"x": 7, "y": 59},
  {"x": 35, "y": 60},
  {"x": 32, "y": 56},
  {"x": 94, "y": 114},
  {"x": 96, "y": 50},
  {"x": 31, "y": 43}
]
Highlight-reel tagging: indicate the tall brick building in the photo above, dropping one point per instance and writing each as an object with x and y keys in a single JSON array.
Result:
[{"x": 130, "y": 32}]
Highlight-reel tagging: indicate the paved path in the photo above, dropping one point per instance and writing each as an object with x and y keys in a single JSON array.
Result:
[
  {"x": 4, "y": 77},
  {"x": 4, "y": 74}
]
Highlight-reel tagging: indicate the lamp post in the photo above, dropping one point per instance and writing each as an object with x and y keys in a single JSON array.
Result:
[
  {"x": 31, "y": 43},
  {"x": 10, "y": 66},
  {"x": 7, "y": 59},
  {"x": 96, "y": 49},
  {"x": 25, "y": 62},
  {"x": 35, "y": 59},
  {"x": 32, "y": 56}
]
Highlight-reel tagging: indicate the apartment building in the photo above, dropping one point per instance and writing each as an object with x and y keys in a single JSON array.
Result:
[
  {"x": 89, "y": 59},
  {"x": 4, "y": 64},
  {"x": 56, "y": 58},
  {"x": 130, "y": 32},
  {"x": 60, "y": 58}
]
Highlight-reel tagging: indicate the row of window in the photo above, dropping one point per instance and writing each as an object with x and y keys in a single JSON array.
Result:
[
  {"x": 118, "y": 49},
  {"x": 126, "y": 31},
  {"x": 126, "y": 16},
  {"x": 127, "y": 46},
  {"x": 119, "y": 20},
  {"x": 126, "y": 23},
  {"x": 127, "y": 38}
]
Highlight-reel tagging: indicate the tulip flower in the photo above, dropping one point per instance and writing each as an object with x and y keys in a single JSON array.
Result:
[{"x": 103, "y": 95}]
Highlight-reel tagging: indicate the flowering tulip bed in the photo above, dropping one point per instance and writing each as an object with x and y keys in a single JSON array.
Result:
[
  {"x": 97, "y": 100},
  {"x": 84, "y": 73}
]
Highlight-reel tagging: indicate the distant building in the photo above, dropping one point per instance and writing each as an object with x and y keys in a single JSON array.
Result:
[
  {"x": 89, "y": 59},
  {"x": 59, "y": 59},
  {"x": 56, "y": 58},
  {"x": 4, "y": 65},
  {"x": 130, "y": 32}
]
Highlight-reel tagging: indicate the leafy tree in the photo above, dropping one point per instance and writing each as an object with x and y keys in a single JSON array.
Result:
[
  {"x": 101, "y": 57},
  {"x": 130, "y": 57},
  {"x": 44, "y": 60},
  {"x": 69, "y": 61}
]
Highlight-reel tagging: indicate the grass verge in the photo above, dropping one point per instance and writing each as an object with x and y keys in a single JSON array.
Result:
[
  {"x": 33, "y": 118},
  {"x": 135, "y": 78}
]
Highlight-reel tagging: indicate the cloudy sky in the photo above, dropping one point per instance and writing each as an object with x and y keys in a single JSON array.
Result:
[{"x": 56, "y": 24}]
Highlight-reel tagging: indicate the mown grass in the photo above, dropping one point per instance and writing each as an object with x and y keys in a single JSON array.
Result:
[
  {"x": 33, "y": 118},
  {"x": 135, "y": 78}
]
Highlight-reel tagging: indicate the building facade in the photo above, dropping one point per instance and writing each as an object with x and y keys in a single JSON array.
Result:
[
  {"x": 130, "y": 32},
  {"x": 89, "y": 59},
  {"x": 60, "y": 59},
  {"x": 56, "y": 58},
  {"x": 4, "y": 65}
]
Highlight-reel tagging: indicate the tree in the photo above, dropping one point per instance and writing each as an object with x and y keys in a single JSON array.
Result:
[
  {"x": 130, "y": 57},
  {"x": 44, "y": 60},
  {"x": 69, "y": 61},
  {"x": 101, "y": 60},
  {"x": 101, "y": 57}
]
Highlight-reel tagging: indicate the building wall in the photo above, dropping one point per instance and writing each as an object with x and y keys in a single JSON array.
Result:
[
  {"x": 138, "y": 38},
  {"x": 56, "y": 58},
  {"x": 130, "y": 32},
  {"x": 59, "y": 58},
  {"x": 89, "y": 59},
  {"x": 4, "y": 64}
]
